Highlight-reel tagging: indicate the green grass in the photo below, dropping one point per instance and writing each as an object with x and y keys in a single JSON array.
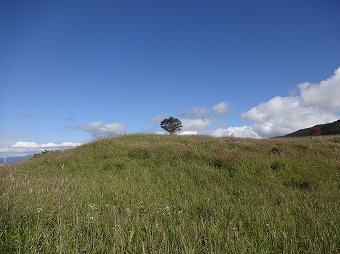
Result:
[{"x": 175, "y": 194}]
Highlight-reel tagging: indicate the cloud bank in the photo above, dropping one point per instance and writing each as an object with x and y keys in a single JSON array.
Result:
[
  {"x": 282, "y": 115},
  {"x": 315, "y": 104},
  {"x": 241, "y": 132},
  {"x": 196, "y": 124},
  {"x": 22, "y": 148}
]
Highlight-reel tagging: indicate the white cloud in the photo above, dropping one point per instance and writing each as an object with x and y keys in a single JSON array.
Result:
[
  {"x": 282, "y": 115},
  {"x": 220, "y": 109},
  {"x": 99, "y": 129},
  {"x": 316, "y": 104},
  {"x": 242, "y": 132},
  {"x": 188, "y": 133},
  {"x": 23, "y": 144},
  {"x": 21, "y": 148},
  {"x": 325, "y": 95},
  {"x": 195, "y": 124}
]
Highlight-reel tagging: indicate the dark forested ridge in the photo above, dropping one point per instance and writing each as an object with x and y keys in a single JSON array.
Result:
[{"x": 318, "y": 130}]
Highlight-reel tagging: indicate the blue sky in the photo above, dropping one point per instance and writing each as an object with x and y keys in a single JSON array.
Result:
[{"x": 71, "y": 71}]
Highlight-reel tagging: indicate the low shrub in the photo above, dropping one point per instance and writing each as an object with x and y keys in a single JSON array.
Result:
[{"x": 278, "y": 166}]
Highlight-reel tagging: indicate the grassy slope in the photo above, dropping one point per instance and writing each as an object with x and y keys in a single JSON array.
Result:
[{"x": 173, "y": 194}]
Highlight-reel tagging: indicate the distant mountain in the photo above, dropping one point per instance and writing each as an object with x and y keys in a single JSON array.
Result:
[
  {"x": 13, "y": 159},
  {"x": 318, "y": 130}
]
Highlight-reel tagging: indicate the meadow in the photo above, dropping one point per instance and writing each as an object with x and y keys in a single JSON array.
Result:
[{"x": 175, "y": 194}]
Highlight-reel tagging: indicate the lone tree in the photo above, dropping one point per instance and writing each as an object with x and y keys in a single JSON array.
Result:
[{"x": 171, "y": 125}]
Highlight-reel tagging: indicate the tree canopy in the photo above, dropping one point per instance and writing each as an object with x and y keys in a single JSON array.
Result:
[{"x": 171, "y": 125}]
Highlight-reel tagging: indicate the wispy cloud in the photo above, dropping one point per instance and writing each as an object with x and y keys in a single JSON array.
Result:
[
  {"x": 197, "y": 112},
  {"x": 99, "y": 129},
  {"x": 220, "y": 109}
]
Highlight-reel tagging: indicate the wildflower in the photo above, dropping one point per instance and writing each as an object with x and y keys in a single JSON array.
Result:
[
  {"x": 39, "y": 210},
  {"x": 92, "y": 206}
]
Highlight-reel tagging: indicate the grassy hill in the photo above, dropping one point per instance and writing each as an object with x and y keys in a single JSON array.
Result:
[
  {"x": 318, "y": 130},
  {"x": 175, "y": 194}
]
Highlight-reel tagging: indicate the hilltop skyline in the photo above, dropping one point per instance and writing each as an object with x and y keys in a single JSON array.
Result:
[{"x": 74, "y": 71}]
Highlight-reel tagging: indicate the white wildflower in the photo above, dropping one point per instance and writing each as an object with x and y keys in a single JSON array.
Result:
[{"x": 92, "y": 206}]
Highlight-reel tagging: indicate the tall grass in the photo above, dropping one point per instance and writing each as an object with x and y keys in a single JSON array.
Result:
[{"x": 174, "y": 194}]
